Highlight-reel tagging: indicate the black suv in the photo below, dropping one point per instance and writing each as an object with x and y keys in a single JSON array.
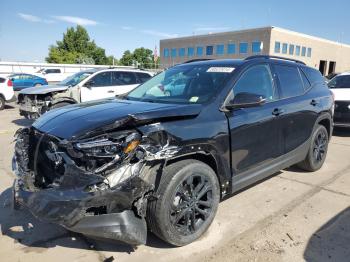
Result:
[{"x": 163, "y": 156}]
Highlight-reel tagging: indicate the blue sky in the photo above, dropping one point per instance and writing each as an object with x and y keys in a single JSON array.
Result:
[{"x": 28, "y": 27}]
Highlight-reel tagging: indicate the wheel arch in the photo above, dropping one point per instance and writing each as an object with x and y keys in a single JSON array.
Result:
[{"x": 325, "y": 120}]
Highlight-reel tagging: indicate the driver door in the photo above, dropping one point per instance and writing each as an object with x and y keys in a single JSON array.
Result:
[
  {"x": 98, "y": 87},
  {"x": 255, "y": 133}
]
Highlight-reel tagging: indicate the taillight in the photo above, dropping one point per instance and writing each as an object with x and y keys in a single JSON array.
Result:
[{"x": 9, "y": 83}]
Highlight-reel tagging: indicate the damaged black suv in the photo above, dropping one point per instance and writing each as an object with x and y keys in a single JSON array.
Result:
[{"x": 163, "y": 156}]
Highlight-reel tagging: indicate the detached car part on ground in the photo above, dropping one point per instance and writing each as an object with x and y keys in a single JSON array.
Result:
[
  {"x": 161, "y": 162},
  {"x": 83, "y": 86}
]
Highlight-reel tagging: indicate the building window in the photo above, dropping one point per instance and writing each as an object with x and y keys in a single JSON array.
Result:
[
  {"x": 173, "y": 52},
  {"x": 303, "y": 51},
  {"x": 181, "y": 52},
  {"x": 199, "y": 50},
  {"x": 309, "y": 52},
  {"x": 291, "y": 49},
  {"x": 166, "y": 52},
  {"x": 220, "y": 49},
  {"x": 209, "y": 50},
  {"x": 231, "y": 49},
  {"x": 297, "y": 50},
  {"x": 284, "y": 48},
  {"x": 277, "y": 47},
  {"x": 243, "y": 48},
  {"x": 256, "y": 47},
  {"x": 190, "y": 51}
]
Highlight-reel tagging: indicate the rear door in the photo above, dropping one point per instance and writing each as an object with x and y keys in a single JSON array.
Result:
[
  {"x": 255, "y": 134},
  {"x": 298, "y": 111},
  {"x": 123, "y": 82},
  {"x": 99, "y": 87}
]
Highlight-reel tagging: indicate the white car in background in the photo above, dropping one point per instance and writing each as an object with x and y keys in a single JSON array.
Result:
[
  {"x": 83, "y": 86},
  {"x": 340, "y": 86},
  {"x": 52, "y": 75},
  {"x": 6, "y": 92}
]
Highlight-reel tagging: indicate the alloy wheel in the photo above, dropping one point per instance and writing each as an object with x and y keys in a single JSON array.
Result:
[{"x": 320, "y": 147}]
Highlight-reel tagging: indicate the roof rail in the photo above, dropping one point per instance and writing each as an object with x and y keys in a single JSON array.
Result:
[
  {"x": 274, "y": 57},
  {"x": 196, "y": 60}
]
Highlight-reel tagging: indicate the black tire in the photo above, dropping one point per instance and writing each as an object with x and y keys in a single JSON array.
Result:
[
  {"x": 2, "y": 103},
  {"x": 59, "y": 105},
  {"x": 318, "y": 150},
  {"x": 187, "y": 206}
]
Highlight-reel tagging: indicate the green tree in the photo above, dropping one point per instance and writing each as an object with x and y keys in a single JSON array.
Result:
[
  {"x": 142, "y": 57},
  {"x": 76, "y": 47}
]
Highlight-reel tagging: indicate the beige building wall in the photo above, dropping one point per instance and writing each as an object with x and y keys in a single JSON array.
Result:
[
  {"x": 321, "y": 49},
  {"x": 249, "y": 36}
]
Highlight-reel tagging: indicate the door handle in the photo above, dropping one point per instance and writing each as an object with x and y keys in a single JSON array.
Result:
[
  {"x": 277, "y": 111},
  {"x": 110, "y": 91},
  {"x": 314, "y": 102}
]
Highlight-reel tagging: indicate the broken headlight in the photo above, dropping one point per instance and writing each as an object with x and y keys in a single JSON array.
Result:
[{"x": 102, "y": 152}]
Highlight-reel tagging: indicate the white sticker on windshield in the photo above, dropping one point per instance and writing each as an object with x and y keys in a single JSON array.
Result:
[{"x": 221, "y": 69}]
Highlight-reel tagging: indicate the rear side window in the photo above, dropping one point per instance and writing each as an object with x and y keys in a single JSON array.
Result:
[
  {"x": 2, "y": 80},
  {"x": 341, "y": 81},
  {"x": 53, "y": 71},
  {"x": 290, "y": 81},
  {"x": 124, "y": 78},
  {"x": 142, "y": 77},
  {"x": 313, "y": 75}
]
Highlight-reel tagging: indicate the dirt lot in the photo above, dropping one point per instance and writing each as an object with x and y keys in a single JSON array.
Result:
[{"x": 292, "y": 216}]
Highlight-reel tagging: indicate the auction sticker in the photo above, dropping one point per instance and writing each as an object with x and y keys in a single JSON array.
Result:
[{"x": 221, "y": 69}]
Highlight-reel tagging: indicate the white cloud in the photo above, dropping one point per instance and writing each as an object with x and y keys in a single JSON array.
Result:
[
  {"x": 75, "y": 20},
  {"x": 33, "y": 18},
  {"x": 30, "y": 18},
  {"x": 127, "y": 28},
  {"x": 159, "y": 34},
  {"x": 212, "y": 29}
]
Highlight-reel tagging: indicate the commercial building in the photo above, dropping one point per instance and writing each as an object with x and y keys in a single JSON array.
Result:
[{"x": 328, "y": 56}]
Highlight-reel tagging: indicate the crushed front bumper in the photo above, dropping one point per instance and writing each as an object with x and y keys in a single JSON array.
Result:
[{"x": 77, "y": 210}]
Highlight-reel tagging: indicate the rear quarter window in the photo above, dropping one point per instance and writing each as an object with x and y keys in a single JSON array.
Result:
[
  {"x": 313, "y": 75},
  {"x": 290, "y": 81}
]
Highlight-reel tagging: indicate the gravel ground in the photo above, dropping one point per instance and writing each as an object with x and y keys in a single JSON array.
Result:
[{"x": 292, "y": 216}]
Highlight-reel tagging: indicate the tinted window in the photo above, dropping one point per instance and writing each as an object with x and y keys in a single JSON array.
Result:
[
  {"x": 284, "y": 48},
  {"x": 142, "y": 77},
  {"x": 256, "y": 80},
  {"x": 290, "y": 81},
  {"x": 166, "y": 52},
  {"x": 190, "y": 51},
  {"x": 306, "y": 82},
  {"x": 102, "y": 79},
  {"x": 124, "y": 78},
  {"x": 342, "y": 81},
  {"x": 243, "y": 48},
  {"x": 181, "y": 52},
  {"x": 2, "y": 80},
  {"x": 199, "y": 51},
  {"x": 209, "y": 50},
  {"x": 52, "y": 71},
  {"x": 231, "y": 48},
  {"x": 291, "y": 49},
  {"x": 220, "y": 49},
  {"x": 277, "y": 47},
  {"x": 256, "y": 47},
  {"x": 313, "y": 75}
]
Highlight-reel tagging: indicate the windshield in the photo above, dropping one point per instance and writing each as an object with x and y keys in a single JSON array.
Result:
[
  {"x": 342, "y": 81},
  {"x": 183, "y": 84},
  {"x": 75, "y": 79}
]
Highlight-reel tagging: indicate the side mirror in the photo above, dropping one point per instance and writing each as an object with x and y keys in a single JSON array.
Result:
[
  {"x": 89, "y": 84},
  {"x": 245, "y": 100}
]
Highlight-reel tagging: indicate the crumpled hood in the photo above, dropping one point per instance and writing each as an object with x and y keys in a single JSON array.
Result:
[
  {"x": 80, "y": 119},
  {"x": 43, "y": 89}
]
